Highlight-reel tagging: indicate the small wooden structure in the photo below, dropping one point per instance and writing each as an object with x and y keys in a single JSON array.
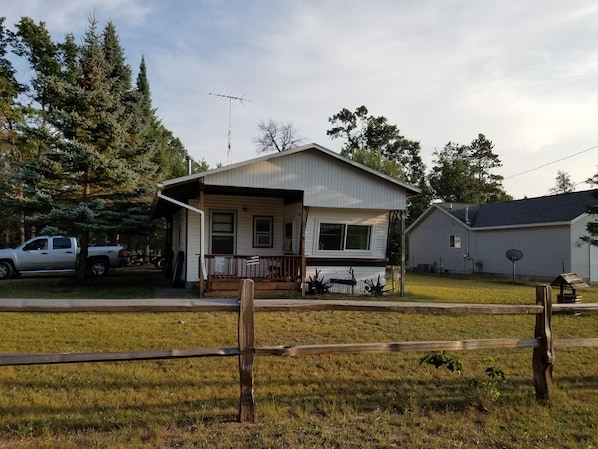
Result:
[{"x": 568, "y": 283}]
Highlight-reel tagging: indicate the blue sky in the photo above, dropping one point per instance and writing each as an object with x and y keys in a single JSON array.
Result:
[{"x": 525, "y": 74}]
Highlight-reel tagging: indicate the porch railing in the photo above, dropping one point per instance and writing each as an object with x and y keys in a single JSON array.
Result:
[{"x": 283, "y": 267}]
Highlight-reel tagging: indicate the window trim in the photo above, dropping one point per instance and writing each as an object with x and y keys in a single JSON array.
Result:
[{"x": 345, "y": 227}]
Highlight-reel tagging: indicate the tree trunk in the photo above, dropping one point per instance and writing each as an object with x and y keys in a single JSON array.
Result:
[{"x": 82, "y": 257}]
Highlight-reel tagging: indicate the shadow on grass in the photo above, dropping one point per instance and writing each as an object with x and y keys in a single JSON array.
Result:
[{"x": 280, "y": 396}]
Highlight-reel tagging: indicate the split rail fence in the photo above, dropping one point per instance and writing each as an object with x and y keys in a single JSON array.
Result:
[{"x": 542, "y": 343}]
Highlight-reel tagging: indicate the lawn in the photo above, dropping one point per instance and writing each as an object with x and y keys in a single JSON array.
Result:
[{"x": 344, "y": 401}]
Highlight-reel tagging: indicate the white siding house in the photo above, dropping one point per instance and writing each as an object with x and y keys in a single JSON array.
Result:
[
  {"x": 459, "y": 238},
  {"x": 279, "y": 217}
]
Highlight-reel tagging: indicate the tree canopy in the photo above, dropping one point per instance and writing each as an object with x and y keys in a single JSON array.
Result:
[
  {"x": 375, "y": 142},
  {"x": 86, "y": 145},
  {"x": 463, "y": 173}
]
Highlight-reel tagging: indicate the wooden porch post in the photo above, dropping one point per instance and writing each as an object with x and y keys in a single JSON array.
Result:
[
  {"x": 202, "y": 282},
  {"x": 543, "y": 358},
  {"x": 304, "y": 214},
  {"x": 246, "y": 350},
  {"x": 402, "y": 280}
]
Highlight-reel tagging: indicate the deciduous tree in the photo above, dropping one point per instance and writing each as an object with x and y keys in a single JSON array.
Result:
[
  {"x": 276, "y": 136},
  {"x": 374, "y": 142}
]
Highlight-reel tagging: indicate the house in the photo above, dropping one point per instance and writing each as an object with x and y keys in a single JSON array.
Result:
[
  {"x": 279, "y": 218},
  {"x": 547, "y": 230}
]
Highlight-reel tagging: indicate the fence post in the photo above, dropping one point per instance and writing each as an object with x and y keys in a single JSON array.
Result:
[
  {"x": 543, "y": 358},
  {"x": 246, "y": 350}
]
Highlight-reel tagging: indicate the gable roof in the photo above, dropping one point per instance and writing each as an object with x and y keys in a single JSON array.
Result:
[
  {"x": 410, "y": 189},
  {"x": 320, "y": 176},
  {"x": 551, "y": 209}
]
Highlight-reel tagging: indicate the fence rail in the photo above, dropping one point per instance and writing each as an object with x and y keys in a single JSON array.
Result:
[{"x": 543, "y": 343}]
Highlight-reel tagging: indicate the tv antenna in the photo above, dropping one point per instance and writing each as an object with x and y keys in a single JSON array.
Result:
[{"x": 230, "y": 99}]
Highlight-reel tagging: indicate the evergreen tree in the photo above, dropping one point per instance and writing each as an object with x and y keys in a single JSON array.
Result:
[
  {"x": 592, "y": 226},
  {"x": 93, "y": 180},
  {"x": 462, "y": 173},
  {"x": 170, "y": 154},
  {"x": 563, "y": 183},
  {"x": 117, "y": 69},
  {"x": 11, "y": 119}
]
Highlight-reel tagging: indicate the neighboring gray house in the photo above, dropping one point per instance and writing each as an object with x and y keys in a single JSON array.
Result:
[
  {"x": 460, "y": 237},
  {"x": 278, "y": 218}
]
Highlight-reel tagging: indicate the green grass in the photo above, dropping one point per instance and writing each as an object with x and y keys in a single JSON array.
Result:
[
  {"x": 345, "y": 401},
  {"x": 119, "y": 284}
]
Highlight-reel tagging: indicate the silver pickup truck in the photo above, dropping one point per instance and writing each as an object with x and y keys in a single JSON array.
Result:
[{"x": 50, "y": 254}]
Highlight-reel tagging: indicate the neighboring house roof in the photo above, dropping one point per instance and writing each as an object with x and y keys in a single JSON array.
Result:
[{"x": 550, "y": 209}]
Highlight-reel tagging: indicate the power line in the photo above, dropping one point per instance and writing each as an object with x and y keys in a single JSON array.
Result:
[{"x": 553, "y": 162}]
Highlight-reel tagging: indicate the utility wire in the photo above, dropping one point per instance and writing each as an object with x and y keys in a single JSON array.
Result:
[{"x": 553, "y": 162}]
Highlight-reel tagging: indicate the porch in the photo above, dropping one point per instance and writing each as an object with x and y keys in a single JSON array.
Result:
[{"x": 272, "y": 275}]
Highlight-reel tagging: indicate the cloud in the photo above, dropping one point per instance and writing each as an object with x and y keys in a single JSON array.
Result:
[{"x": 522, "y": 73}]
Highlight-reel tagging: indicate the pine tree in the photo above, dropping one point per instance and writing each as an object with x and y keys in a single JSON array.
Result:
[
  {"x": 11, "y": 119},
  {"x": 462, "y": 173},
  {"x": 170, "y": 154},
  {"x": 563, "y": 183},
  {"x": 93, "y": 180}
]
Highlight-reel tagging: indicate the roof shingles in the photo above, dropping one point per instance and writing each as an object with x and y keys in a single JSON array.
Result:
[{"x": 545, "y": 209}]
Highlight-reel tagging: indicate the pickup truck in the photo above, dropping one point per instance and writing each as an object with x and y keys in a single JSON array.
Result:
[{"x": 49, "y": 254}]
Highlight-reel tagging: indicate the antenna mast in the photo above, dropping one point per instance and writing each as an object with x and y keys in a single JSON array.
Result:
[{"x": 230, "y": 99}]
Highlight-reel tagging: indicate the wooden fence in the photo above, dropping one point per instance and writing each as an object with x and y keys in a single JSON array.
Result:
[{"x": 542, "y": 343}]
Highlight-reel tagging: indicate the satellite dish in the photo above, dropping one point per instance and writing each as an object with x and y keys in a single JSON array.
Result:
[{"x": 514, "y": 255}]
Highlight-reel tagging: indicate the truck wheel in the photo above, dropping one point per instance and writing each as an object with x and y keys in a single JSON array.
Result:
[
  {"x": 98, "y": 268},
  {"x": 6, "y": 270}
]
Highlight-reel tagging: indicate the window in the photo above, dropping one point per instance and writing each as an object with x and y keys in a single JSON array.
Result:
[
  {"x": 455, "y": 241},
  {"x": 332, "y": 237},
  {"x": 61, "y": 243},
  {"x": 36, "y": 245},
  {"x": 358, "y": 237},
  {"x": 288, "y": 237},
  {"x": 262, "y": 232},
  {"x": 223, "y": 232},
  {"x": 340, "y": 237}
]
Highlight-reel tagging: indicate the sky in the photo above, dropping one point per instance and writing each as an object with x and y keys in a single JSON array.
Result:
[{"x": 523, "y": 73}]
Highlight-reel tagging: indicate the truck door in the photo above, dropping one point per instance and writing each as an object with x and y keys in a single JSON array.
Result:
[
  {"x": 63, "y": 253},
  {"x": 34, "y": 255}
]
